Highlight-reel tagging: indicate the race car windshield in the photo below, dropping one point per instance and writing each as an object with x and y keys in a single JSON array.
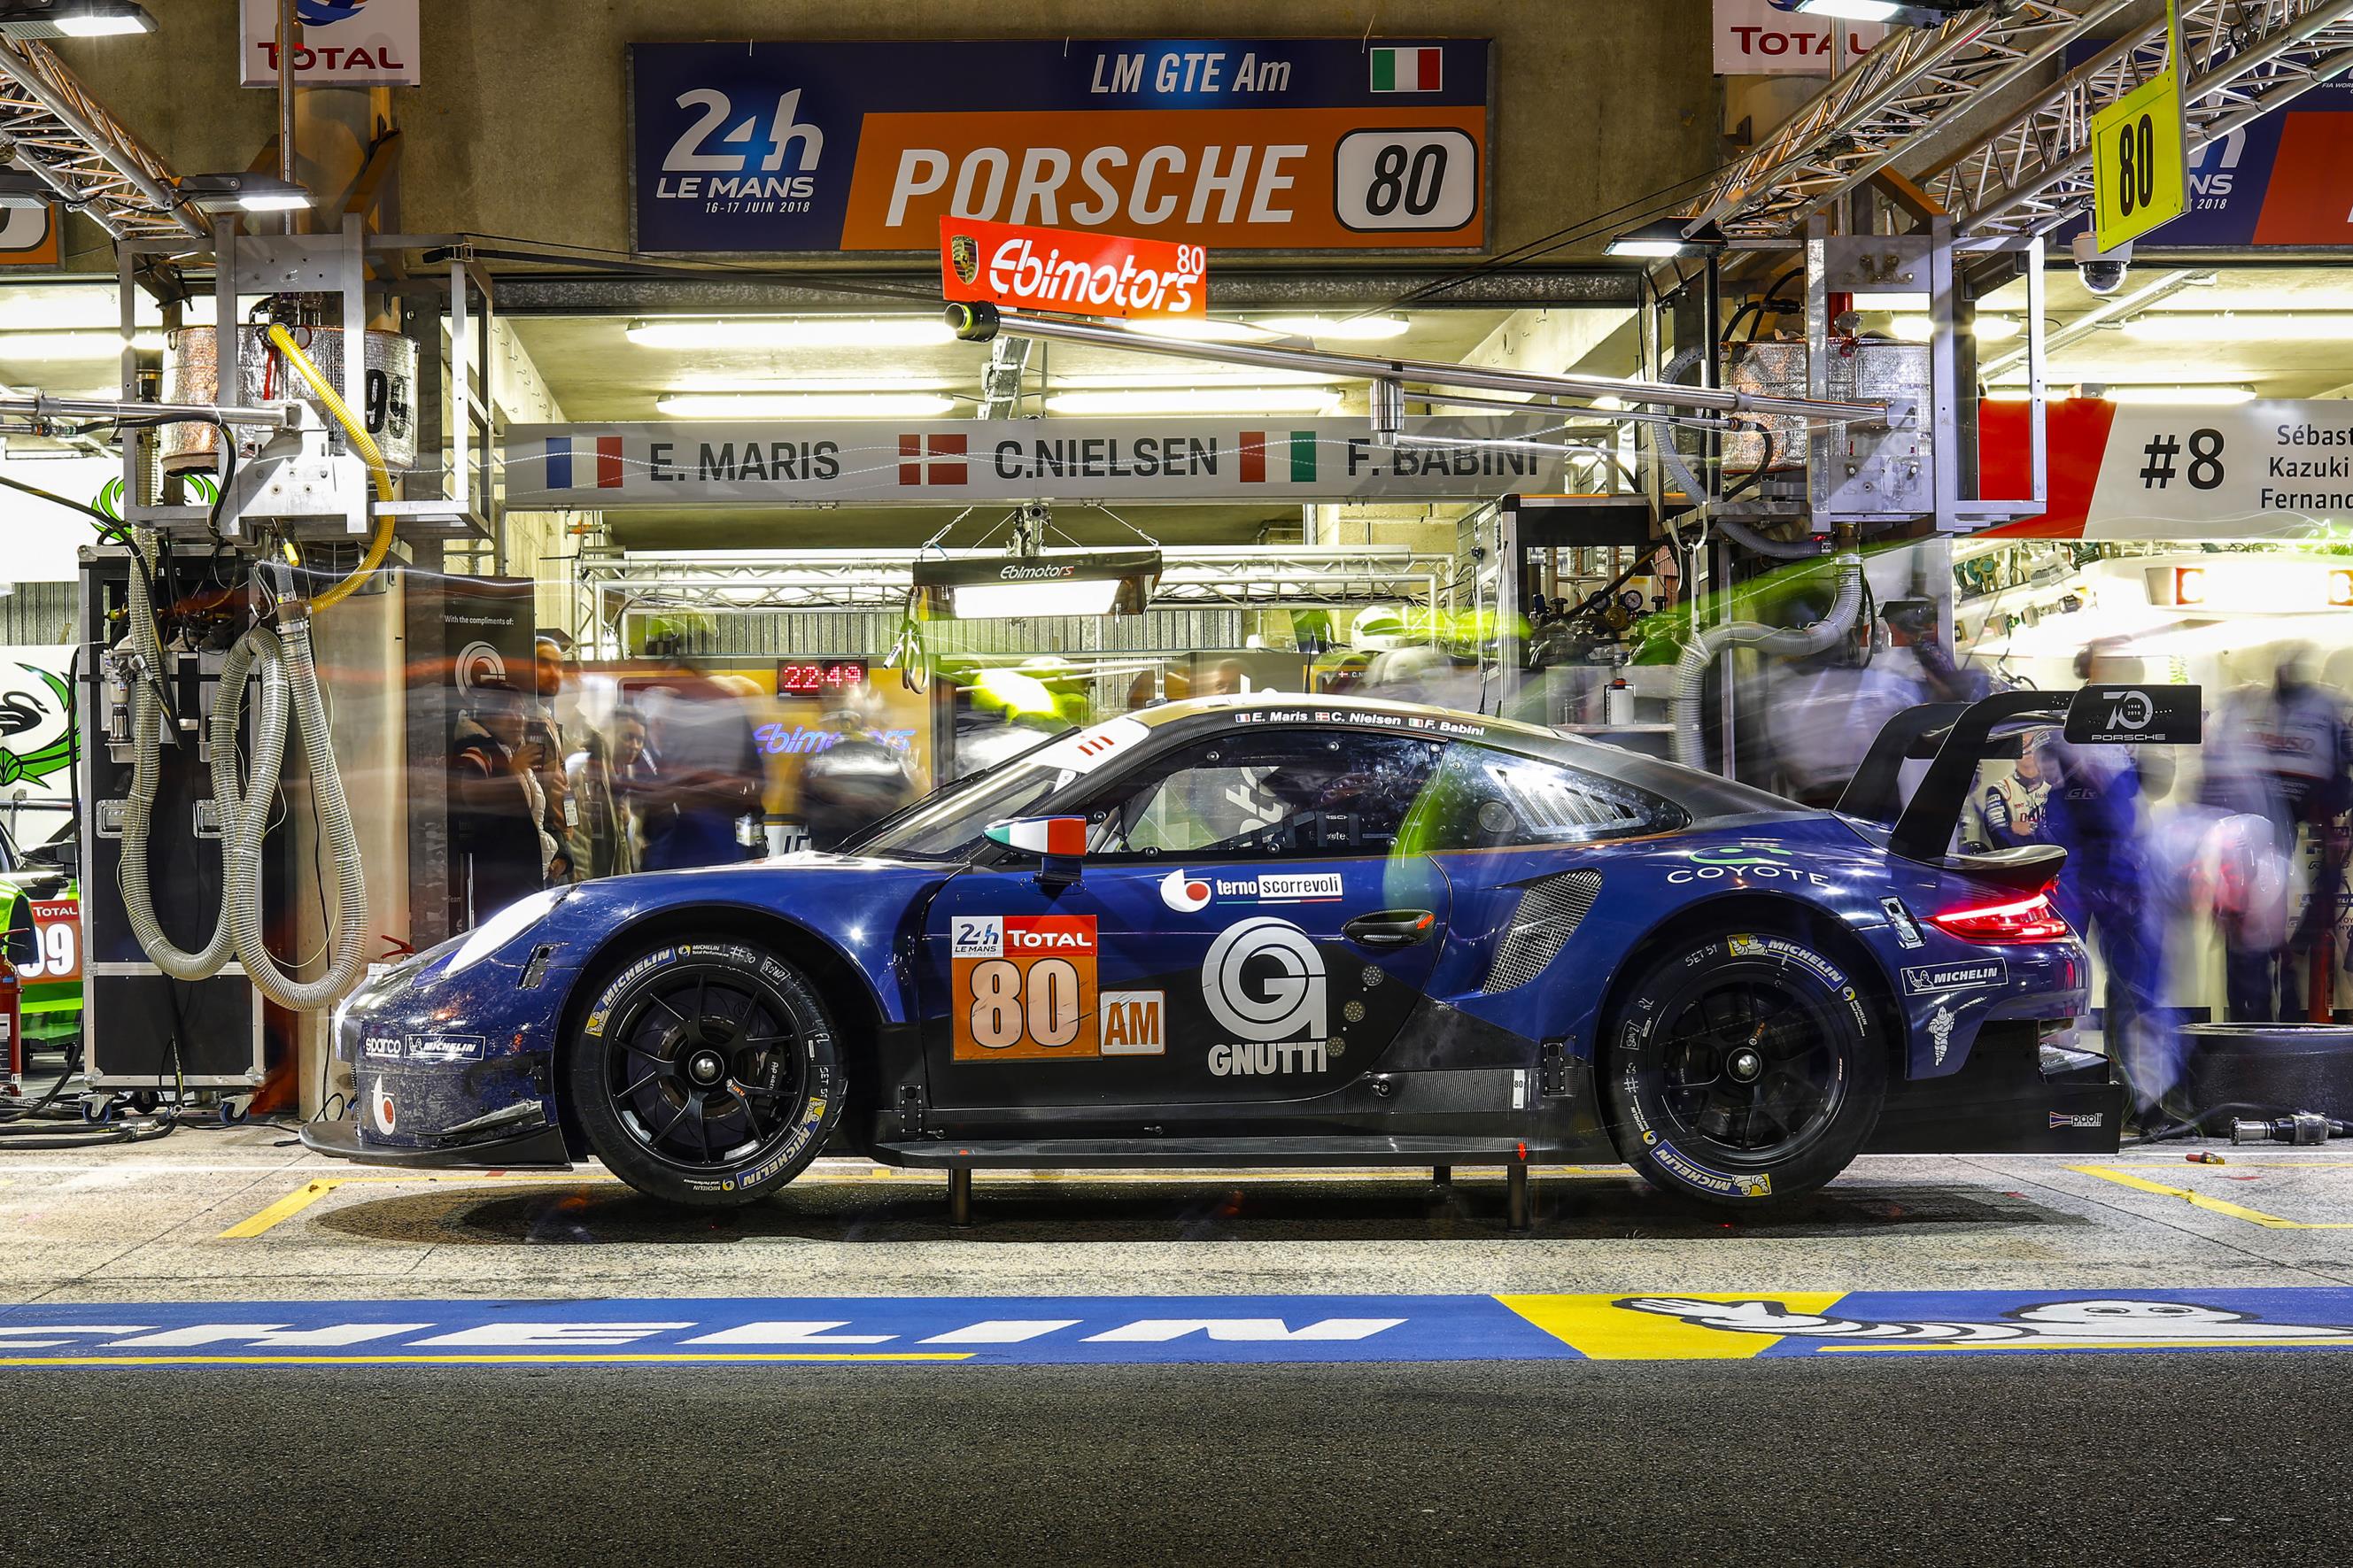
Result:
[{"x": 948, "y": 825}]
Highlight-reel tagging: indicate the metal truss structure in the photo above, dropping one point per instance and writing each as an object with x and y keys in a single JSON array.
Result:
[
  {"x": 1238, "y": 577},
  {"x": 2032, "y": 172},
  {"x": 53, "y": 128}
]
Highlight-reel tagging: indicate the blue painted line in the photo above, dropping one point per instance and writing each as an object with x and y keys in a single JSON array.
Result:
[{"x": 1161, "y": 1329}]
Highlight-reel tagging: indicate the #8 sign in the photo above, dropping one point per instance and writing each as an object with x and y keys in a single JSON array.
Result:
[{"x": 1261, "y": 143}]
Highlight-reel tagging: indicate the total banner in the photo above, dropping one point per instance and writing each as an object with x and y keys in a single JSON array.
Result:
[
  {"x": 2276, "y": 469},
  {"x": 344, "y": 43},
  {"x": 1261, "y": 143},
  {"x": 947, "y": 462}
]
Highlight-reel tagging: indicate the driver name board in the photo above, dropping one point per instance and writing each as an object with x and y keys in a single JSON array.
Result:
[
  {"x": 1294, "y": 145},
  {"x": 946, "y": 462}
]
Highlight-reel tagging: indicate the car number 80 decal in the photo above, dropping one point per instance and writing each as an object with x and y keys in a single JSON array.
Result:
[{"x": 1024, "y": 987}]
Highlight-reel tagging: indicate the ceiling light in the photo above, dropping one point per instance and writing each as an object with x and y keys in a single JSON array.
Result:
[
  {"x": 69, "y": 345},
  {"x": 1666, "y": 236},
  {"x": 1340, "y": 329},
  {"x": 1986, "y": 329},
  {"x": 746, "y": 386},
  {"x": 72, "y": 19},
  {"x": 1909, "y": 13},
  {"x": 1200, "y": 400},
  {"x": 2232, "y": 327},
  {"x": 2184, "y": 397},
  {"x": 1198, "y": 330},
  {"x": 253, "y": 192},
  {"x": 804, "y": 404},
  {"x": 791, "y": 332},
  {"x": 1053, "y": 583},
  {"x": 1192, "y": 375}
]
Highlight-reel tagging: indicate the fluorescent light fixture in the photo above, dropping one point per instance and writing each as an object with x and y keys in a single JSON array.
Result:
[
  {"x": 1053, "y": 583},
  {"x": 791, "y": 332},
  {"x": 1987, "y": 329},
  {"x": 1005, "y": 601},
  {"x": 1890, "y": 299},
  {"x": 72, "y": 345},
  {"x": 1665, "y": 237},
  {"x": 804, "y": 404},
  {"x": 1189, "y": 376},
  {"x": 72, "y": 19},
  {"x": 1200, "y": 400},
  {"x": 768, "y": 386},
  {"x": 1340, "y": 329},
  {"x": 253, "y": 192},
  {"x": 1198, "y": 330},
  {"x": 2233, "y": 327},
  {"x": 1854, "y": 10},
  {"x": 2184, "y": 397}
]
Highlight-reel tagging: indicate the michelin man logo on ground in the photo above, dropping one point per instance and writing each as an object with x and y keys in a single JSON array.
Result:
[{"x": 2105, "y": 1321}]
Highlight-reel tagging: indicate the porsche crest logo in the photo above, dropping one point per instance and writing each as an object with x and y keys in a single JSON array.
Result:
[{"x": 964, "y": 255}]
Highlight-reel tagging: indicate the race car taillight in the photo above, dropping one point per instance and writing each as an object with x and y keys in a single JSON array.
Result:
[{"x": 2026, "y": 919}]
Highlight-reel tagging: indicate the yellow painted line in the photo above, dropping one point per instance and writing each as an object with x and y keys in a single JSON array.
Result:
[
  {"x": 2199, "y": 1200},
  {"x": 318, "y": 1187},
  {"x": 474, "y": 1360},
  {"x": 1595, "y": 1326}
]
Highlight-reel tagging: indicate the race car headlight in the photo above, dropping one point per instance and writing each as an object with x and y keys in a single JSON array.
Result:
[{"x": 504, "y": 927}]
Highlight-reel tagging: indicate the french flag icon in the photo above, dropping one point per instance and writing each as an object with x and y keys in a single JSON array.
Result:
[{"x": 597, "y": 455}]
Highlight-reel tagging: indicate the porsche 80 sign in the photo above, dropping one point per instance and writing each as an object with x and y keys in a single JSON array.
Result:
[{"x": 1261, "y": 143}]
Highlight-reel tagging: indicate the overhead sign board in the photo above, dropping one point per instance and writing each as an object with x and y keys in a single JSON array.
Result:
[
  {"x": 947, "y": 462},
  {"x": 2140, "y": 164},
  {"x": 1071, "y": 272},
  {"x": 2260, "y": 471},
  {"x": 28, "y": 237},
  {"x": 1758, "y": 38},
  {"x": 1257, "y": 143},
  {"x": 344, "y": 43}
]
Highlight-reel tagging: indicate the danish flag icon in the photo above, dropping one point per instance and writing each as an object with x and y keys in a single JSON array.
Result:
[{"x": 914, "y": 449}]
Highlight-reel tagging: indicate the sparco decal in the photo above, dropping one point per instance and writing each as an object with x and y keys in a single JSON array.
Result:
[
  {"x": 1263, "y": 980},
  {"x": 1978, "y": 974}
]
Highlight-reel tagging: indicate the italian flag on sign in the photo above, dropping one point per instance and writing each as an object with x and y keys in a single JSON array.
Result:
[{"x": 1408, "y": 70}]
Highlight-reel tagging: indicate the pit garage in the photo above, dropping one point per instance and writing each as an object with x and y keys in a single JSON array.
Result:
[{"x": 720, "y": 728}]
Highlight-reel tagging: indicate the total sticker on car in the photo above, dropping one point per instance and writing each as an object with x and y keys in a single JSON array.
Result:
[
  {"x": 1024, "y": 988},
  {"x": 1976, "y": 974}
]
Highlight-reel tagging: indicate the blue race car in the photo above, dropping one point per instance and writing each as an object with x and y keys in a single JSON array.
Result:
[{"x": 1278, "y": 930}]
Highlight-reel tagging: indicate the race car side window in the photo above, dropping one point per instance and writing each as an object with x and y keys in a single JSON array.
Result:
[
  {"x": 1268, "y": 794},
  {"x": 1485, "y": 799}
]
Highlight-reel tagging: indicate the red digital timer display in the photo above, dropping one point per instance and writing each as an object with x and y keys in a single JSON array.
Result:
[{"x": 816, "y": 678}]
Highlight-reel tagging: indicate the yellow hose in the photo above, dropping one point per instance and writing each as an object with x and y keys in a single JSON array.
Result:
[{"x": 364, "y": 444}]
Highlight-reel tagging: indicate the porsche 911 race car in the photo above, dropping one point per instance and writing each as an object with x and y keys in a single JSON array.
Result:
[{"x": 1278, "y": 930}]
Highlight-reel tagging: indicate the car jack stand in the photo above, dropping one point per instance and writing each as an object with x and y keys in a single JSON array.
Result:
[
  {"x": 1516, "y": 1181},
  {"x": 960, "y": 1195}
]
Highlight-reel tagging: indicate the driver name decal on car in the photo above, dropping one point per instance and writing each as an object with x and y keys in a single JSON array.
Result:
[{"x": 1025, "y": 988}]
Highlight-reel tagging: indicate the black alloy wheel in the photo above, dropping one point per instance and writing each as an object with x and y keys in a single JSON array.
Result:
[
  {"x": 1743, "y": 1069},
  {"x": 705, "y": 1072}
]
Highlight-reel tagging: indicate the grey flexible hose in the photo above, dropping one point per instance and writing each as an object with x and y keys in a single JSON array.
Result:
[
  {"x": 287, "y": 671},
  {"x": 1740, "y": 533},
  {"x": 1792, "y": 642}
]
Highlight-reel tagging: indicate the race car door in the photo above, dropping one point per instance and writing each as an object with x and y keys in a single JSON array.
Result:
[{"x": 1245, "y": 926}]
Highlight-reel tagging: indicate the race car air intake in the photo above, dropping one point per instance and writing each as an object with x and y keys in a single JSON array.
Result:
[
  {"x": 287, "y": 669},
  {"x": 1790, "y": 642}
]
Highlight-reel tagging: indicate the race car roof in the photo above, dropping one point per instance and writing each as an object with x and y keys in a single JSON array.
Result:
[{"x": 1703, "y": 794}]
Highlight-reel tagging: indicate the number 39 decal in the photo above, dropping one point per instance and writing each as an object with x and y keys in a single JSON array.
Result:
[{"x": 1024, "y": 987}]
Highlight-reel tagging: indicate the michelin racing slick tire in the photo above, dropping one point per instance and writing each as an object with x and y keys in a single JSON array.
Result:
[
  {"x": 706, "y": 1071},
  {"x": 1743, "y": 1069}
]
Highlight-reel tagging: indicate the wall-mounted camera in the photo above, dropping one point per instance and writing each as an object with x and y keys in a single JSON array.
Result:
[{"x": 2103, "y": 271}]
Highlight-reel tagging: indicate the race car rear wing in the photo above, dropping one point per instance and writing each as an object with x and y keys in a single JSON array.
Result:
[{"x": 1957, "y": 736}]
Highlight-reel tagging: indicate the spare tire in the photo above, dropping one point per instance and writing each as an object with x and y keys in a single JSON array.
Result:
[{"x": 2273, "y": 1067}]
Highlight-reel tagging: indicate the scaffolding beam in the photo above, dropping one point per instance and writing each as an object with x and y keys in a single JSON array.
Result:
[{"x": 51, "y": 127}]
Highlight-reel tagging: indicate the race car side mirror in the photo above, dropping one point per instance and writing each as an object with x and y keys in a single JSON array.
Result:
[{"x": 1060, "y": 842}]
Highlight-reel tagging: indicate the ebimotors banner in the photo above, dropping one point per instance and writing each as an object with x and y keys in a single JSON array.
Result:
[
  {"x": 1074, "y": 273},
  {"x": 1757, "y": 37},
  {"x": 1258, "y": 143},
  {"x": 945, "y": 462},
  {"x": 2260, "y": 471},
  {"x": 345, "y": 43}
]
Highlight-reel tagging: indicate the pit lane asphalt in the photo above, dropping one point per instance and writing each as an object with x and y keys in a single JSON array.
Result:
[{"x": 2094, "y": 1459}]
